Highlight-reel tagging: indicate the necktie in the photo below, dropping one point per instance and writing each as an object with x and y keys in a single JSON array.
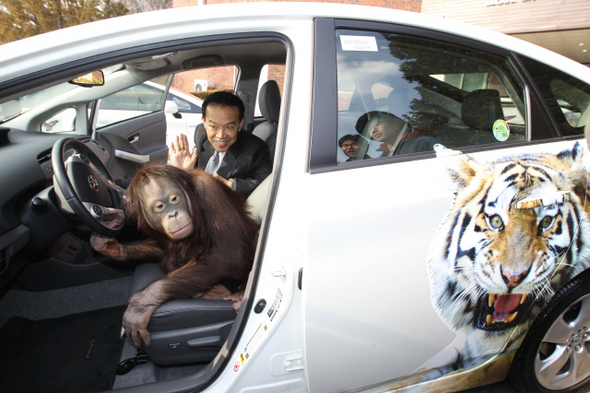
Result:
[{"x": 212, "y": 164}]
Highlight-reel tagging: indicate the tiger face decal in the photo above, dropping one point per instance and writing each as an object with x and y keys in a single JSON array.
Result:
[{"x": 510, "y": 239}]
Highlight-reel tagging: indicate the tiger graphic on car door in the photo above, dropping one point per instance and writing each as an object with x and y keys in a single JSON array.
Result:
[{"x": 518, "y": 230}]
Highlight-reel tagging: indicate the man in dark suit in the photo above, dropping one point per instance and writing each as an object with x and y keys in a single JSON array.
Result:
[{"x": 239, "y": 159}]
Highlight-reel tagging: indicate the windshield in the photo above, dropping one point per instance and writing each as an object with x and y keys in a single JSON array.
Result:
[{"x": 18, "y": 106}]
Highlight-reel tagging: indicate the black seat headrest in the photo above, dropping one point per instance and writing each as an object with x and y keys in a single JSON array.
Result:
[
  {"x": 481, "y": 109},
  {"x": 270, "y": 100}
]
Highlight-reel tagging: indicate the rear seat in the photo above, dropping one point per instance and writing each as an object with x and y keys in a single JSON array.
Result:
[{"x": 479, "y": 111}]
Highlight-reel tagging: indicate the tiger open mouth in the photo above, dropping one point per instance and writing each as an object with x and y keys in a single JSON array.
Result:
[{"x": 500, "y": 311}]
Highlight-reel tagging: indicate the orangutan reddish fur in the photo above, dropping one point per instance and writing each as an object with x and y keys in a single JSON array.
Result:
[
  {"x": 222, "y": 246},
  {"x": 219, "y": 251}
]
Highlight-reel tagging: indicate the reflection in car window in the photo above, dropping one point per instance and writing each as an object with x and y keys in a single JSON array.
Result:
[
  {"x": 568, "y": 98},
  {"x": 405, "y": 94}
]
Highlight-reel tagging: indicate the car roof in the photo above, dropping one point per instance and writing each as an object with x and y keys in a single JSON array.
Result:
[{"x": 71, "y": 44}]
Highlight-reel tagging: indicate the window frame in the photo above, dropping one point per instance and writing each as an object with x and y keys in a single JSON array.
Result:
[
  {"x": 324, "y": 132},
  {"x": 562, "y": 129}
]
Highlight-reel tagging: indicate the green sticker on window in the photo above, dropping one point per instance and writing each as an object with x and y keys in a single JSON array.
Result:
[{"x": 501, "y": 130}]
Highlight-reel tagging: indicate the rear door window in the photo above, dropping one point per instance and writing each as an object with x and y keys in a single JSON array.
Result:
[
  {"x": 567, "y": 98},
  {"x": 401, "y": 94}
]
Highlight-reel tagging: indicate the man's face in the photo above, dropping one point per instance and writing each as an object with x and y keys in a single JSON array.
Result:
[
  {"x": 386, "y": 129},
  {"x": 222, "y": 125},
  {"x": 350, "y": 148}
]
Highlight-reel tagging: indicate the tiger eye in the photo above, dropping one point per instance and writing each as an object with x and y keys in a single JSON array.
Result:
[
  {"x": 496, "y": 222},
  {"x": 546, "y": 222}
]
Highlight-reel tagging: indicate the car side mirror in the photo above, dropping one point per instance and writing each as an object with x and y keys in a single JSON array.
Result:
[{"x": 172, "y": 108}]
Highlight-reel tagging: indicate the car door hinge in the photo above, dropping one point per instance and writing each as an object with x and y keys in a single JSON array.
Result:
[{"x": 294, "y": 363}]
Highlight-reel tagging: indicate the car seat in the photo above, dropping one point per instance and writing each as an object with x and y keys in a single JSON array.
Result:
[
  {"x": 184, "y": 330},
  {"x": 191, "y": 330},
  {"x": 480, "y": 110},
  {"x": 270, "y": 104}
]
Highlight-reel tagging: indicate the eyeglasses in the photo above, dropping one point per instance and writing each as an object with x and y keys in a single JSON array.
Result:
[{"x": 215, "y": 128}]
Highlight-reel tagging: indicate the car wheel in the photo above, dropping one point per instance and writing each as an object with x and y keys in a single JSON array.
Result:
[{"x": 555, "y": 355}]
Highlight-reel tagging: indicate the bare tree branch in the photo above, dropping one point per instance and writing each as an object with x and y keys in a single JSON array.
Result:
[
  {"x": 136, "y": 6},
  {"x": 24, "y": 18}
]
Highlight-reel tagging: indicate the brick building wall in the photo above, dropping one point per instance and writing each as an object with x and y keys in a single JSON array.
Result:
[
  {"x": 222, "y": 78},
  {"x": 407, "y": 5}
]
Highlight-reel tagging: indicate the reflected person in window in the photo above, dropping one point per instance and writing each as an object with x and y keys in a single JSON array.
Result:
[
  {"x": 396, "y": 135},
  {"x": 351, "y": 147},
  {"x": 239, "y": 159}
]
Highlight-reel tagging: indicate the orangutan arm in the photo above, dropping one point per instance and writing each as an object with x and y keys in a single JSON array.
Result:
[{"x": 142, "y": 250}]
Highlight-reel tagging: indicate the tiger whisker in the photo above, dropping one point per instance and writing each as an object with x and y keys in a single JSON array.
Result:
[
  {"x": 545, "y": 290},
  {"x": 565, "y": 264}
]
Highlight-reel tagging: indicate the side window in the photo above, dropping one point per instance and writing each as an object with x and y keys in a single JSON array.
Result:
[
  {"x": 184, "y": 106},
  {"x": 568, "y": 98},
  {"x": 346, "y": 88},
  {"x": 183, "y": 93},
  {"x": 64, "y": 121},
  {"x": 139, "y": 100},
  {"x": 399, "y": 94}
]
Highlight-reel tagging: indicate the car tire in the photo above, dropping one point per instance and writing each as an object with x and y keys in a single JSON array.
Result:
[{"x": 555, "y": 354}]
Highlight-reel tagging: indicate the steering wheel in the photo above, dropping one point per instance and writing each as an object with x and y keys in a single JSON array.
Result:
[{"x": 85, "y": 187}]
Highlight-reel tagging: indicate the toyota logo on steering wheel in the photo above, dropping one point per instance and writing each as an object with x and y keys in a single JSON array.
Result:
[{"x": 93, "y": 182}]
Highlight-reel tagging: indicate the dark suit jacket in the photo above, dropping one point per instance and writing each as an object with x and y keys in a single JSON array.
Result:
[{"x": 247, "y": 161}]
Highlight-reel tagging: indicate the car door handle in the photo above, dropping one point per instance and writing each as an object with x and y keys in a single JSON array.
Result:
[
  {"x": 133, "y": 138},
  {"x": 138, "y": 158},
  {"x": 544, "y": 199}
]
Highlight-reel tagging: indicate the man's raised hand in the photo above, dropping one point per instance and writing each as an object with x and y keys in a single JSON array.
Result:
[{"x": 181, "y": 156}]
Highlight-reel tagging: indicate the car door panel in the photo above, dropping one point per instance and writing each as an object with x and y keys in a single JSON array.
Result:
[
  {"x": 133, "y": 143},
  {"x": 437, "y": 268},
  {"x": 368, "y": 308}
]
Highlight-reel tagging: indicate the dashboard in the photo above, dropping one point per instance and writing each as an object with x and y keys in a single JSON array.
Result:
[{"x": 30, "y": 217}]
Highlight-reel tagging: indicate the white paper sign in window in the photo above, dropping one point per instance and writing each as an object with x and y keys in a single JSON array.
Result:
[{"x": 358, "y": 43}]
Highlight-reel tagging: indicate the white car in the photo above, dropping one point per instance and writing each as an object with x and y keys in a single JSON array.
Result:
[
  {"x": 446, "y": 256},
  {"x": 183, "y": 115}
]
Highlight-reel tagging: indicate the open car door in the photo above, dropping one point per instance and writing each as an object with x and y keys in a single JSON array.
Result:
[{"x": 131, "y": 126}]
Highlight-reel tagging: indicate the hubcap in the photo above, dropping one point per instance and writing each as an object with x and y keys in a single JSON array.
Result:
[{"x": 563, "y": 359}]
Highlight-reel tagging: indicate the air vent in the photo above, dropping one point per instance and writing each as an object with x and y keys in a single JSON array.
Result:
[
  {"x": 44, "y": 157},
  {"x": 99, "y": 145}
]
